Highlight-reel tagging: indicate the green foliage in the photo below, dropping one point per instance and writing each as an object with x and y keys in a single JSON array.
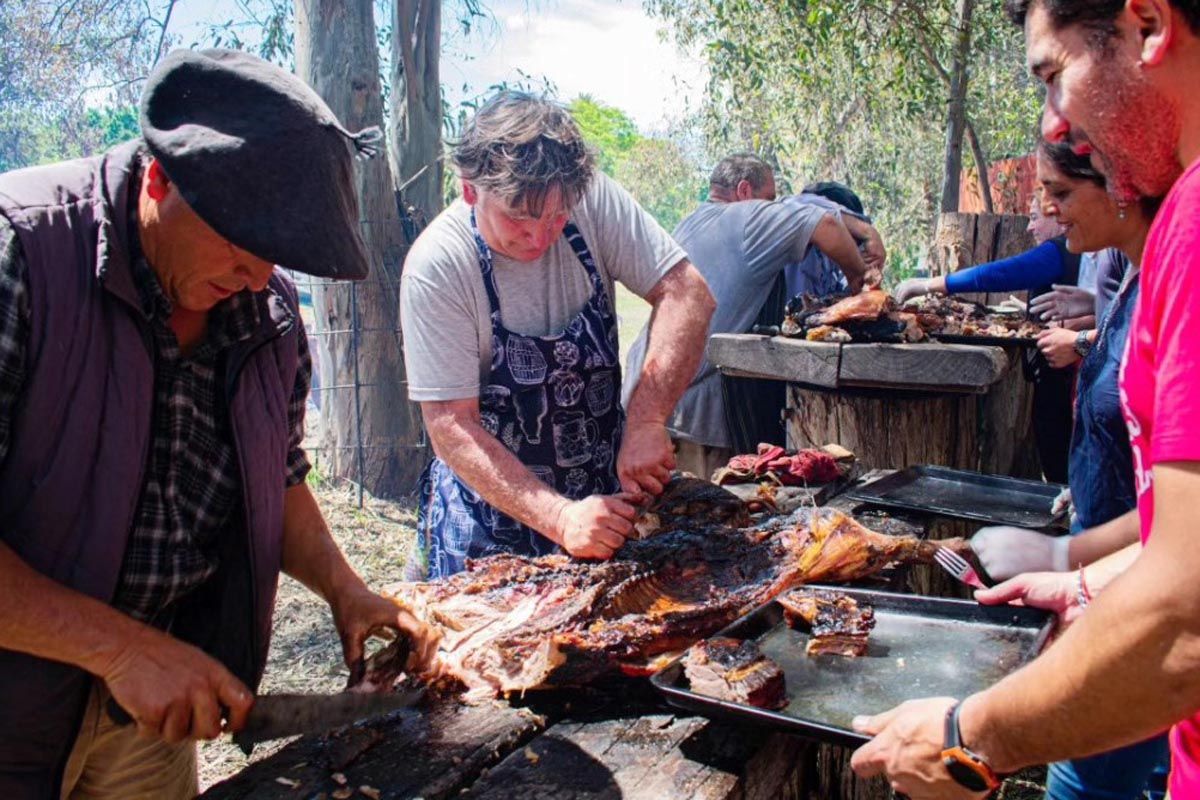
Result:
[
  {"x": 857, "y": 91},
  {"x": 656, "y": 171},
  {"x": 661, "y": 179},
  {"x": 609, "y": 130}
]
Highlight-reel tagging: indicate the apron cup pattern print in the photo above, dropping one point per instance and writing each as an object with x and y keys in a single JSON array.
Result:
[
  {"x": 600, "y": 394},
  {"x": 574, "y": 435},
  {"x": 561, "y": 420}
]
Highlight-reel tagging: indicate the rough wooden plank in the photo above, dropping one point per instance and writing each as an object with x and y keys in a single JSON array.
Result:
[
  {"x": 434, "y": 754},
  {"x": 928, "y": 366},
  {"x": 775, "y": 358}
]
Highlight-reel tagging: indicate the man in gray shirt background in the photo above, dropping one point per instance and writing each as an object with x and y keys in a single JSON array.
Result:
[{"x": 741, "y": 241}]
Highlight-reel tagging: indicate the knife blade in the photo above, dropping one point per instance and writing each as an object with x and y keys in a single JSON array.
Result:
[{"x": 274, "y": 716}]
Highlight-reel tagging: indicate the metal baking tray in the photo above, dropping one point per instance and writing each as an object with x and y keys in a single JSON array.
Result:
[
  {"x": 964, "y": 494},
  {"x": 990, "y": 341},
  {"x": 920, "y": 647}
]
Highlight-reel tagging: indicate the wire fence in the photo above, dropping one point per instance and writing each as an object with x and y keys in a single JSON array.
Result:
[{"x": 360, "y": 426}]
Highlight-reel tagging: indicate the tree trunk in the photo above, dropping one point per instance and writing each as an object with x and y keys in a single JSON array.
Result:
[
  {"x": 372, "y": 434},
  {"x": 985, "y": 185},
  {"x": 416, "y": 142},
  {"x": 956, "y": 123}
]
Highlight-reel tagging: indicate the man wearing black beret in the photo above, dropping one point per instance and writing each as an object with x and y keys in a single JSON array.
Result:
[{"x": 153, "y": 377}]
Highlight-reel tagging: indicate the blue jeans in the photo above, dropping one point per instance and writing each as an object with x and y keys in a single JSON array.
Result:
[{"x": 1122, "y": 774}]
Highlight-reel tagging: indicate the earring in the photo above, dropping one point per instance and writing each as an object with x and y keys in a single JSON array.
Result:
[{"x": 1122, "y": 209}]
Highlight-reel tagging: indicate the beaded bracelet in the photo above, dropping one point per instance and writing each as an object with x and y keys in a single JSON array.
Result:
[{"x": 1082, "y": 595}]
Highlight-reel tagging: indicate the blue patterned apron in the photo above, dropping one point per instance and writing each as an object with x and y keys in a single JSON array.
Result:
[{"x": 554, "y": 402}]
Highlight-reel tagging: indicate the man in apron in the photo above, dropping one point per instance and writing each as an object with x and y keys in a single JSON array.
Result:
[{"x": 510, "y": 339}]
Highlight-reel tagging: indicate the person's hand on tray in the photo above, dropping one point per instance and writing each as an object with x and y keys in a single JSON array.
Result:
[
  {"x": 1005, "y": 551},
  {"x": 1057, "y": 592},
  {"x": 907, "y": 749}
]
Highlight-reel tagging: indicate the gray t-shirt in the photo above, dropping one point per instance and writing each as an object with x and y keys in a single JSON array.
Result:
[
  {"x": 740, "y": 248},
  {"x": 444, "y": 311}
]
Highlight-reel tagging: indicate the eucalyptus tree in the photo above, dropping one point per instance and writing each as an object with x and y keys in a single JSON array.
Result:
[{"x": 879, "y": 93}]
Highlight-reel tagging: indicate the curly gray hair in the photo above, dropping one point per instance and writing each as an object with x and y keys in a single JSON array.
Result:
[{"x": 519, "y": 147}]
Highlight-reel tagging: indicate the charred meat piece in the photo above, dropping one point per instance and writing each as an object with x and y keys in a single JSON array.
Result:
[
  {"x": 691, "y": 502},
  {"x": 838, "y": 624},
  {"x": 862, "y": 307},
  {"x": 735, "y": 671},
  {"x": 827, "y": 333}
]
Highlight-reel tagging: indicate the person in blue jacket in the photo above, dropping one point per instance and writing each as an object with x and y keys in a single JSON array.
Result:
[{"x": 1041, "y": 271}]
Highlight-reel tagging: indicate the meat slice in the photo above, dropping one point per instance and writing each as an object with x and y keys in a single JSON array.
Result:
[
  {"x": 838, "y": 624},
  {"x": 735, "y": 671}
]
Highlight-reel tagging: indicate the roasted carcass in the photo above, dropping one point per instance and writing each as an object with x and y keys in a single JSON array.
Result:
[
  {"x": 870, "y": 316},
  {"x": 510, "y": 624},
  {"x": 736, "y": 671},
  {"x": 836, "y": 622}
]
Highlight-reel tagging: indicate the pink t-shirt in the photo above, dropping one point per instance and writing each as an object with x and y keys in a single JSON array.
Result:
[{"x": 1160, "y": 388}]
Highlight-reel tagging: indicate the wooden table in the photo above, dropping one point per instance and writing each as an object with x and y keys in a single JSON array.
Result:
[
  {"x": 619, "y": 741},
  {"x": 895, "y": 405}
]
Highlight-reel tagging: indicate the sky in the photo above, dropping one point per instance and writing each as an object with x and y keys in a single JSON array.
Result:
[{"x": 609, "y": 49}]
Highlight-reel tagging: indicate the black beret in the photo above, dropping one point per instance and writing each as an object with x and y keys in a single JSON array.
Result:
[{"x": 259, "y": 156}]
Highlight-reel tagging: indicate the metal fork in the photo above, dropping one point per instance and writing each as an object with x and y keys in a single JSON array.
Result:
[{"x": 957, "y": 566}]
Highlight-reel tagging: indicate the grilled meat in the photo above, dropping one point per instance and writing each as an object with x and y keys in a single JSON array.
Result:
[
  {"x": 862, "y": 307},
  {"x": 511, "y": 623},
  {"x": 687, "y": 501},
  {"x": 735, "y": 671},
  {"x": 871, "y": 316},
  {"x": 837, "y": 623}
]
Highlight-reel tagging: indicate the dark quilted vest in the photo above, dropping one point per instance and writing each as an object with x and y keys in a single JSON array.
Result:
[{"x": 80, "y": 443}]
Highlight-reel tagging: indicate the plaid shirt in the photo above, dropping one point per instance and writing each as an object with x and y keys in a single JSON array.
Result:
[{"x": 192, "y": 491}]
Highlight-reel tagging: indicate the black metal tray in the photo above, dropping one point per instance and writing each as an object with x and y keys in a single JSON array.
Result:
[
  {"x": 964, "y": 494},
  {"x": 921, "y": 647},
  {"x": 990, "y": 341}
]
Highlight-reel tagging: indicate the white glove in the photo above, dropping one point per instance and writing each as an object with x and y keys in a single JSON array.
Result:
[
  {"x": 908, "y": 289},
  {"x": 1005, "y": 551},
  {"x": 1064, "y": 302}
]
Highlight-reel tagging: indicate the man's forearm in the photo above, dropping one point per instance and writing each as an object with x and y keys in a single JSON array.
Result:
[
  {"x": 1127, "y": 669},
  {"x": 1103, "y": 540},
  {"x": 491, "y": 469},
  {"x": 833, "y": 239},
  {"x": 682, "y": 308},
  {"x": 310, "y": 555},
  {"x": 43, "y": 618}
]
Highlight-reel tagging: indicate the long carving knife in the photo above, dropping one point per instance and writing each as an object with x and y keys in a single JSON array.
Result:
[{"x": 275, "y": 716}]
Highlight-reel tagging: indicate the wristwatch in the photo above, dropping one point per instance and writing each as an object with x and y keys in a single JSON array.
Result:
[
  {"x": 968, "y": 769},
  {"x": 1083, "y": 344}
]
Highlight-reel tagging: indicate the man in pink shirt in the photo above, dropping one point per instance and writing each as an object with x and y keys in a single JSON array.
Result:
[{"x": 1121, "y": 81}]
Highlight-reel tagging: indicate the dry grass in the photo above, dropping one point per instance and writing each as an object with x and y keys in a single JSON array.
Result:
[{"x": 306, "y": 655}]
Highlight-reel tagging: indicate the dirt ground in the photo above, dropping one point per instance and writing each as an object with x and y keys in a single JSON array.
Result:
[{"x": 306, "y": 655}]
